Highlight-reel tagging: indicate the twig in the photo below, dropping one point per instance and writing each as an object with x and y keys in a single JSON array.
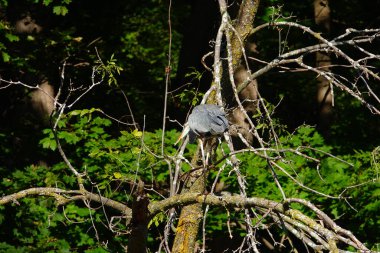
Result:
[{"x": 167, "y": 79}]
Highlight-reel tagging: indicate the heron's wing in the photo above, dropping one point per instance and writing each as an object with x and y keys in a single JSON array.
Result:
[
  {"x": 207, "y": 119},
  {"x": 199, "y": 121},
  {"x": 224, "y": 120},
  {"x": 218, "y": 122}
]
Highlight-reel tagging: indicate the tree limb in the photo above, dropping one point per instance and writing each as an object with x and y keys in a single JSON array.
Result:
[{"x": 65, "y": 196}]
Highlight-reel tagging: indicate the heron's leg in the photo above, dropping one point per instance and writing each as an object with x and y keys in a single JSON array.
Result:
[
  {"x": 207, "y": 156},
  {"x": 208, "y": 148},
  {"x": 202, "y": 151}
]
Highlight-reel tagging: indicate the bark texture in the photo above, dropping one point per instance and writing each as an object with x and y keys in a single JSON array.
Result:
[
  {"x": 323, "y": 60},
  {"x": 191, "y": 215},
  {"x": 42, "y": 100},
  {"x": 139, "y": 222},
  {"x": 243, "y": 26}
]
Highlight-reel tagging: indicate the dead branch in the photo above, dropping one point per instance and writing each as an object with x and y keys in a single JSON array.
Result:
[
  {"x": 65, "y": 196},
  {"x": 321, "y": 236}
]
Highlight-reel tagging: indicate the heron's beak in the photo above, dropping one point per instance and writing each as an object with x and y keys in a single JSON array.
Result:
[{"x": 185, "y": 131}]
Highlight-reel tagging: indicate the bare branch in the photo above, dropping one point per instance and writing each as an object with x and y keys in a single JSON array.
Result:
[{"x": 65, "y": 196}]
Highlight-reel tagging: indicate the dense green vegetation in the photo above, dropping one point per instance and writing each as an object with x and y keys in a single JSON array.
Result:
[{"x": 128, "y": 42}]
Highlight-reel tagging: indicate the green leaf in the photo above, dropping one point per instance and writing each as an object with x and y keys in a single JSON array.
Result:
[
  {"x": 48, "y": 143},
  {"x": 47, "y": 2},
  {"x": 60, "y": 10},
  {"x": 136, "y": 150},
  {"x": 83, "y": 112},
  {"x": 137, "y": 133},
  {"x": 157, "y": 220},
  {"x": 12, "y": 37},
  {"x": 75, "y": 112},
  {"x": 376, "y": 193},
  {"x": 117, "y": 175},
  {"x": 259, "y": 126},
  {"x": 6, "y": 56}
]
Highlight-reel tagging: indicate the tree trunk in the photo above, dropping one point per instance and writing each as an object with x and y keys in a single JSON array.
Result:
[
  {"x": 191, "y": 215},
  {"x": 324, "y": 97},
  {"x": 42, "y": 100},
  {"x": 139, "y": 222},
  {"x": 243, "y": 26}
]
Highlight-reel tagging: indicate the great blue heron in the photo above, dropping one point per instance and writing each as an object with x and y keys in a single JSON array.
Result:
[{"x": 205, "y": 121}]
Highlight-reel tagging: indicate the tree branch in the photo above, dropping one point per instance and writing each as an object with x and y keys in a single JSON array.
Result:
[
  {"x": 321, "y": 237},
  {"x": 65, "y": 196}
]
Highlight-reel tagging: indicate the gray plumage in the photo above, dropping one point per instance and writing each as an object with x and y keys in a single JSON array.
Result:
[{"x": 206, "y": 121}]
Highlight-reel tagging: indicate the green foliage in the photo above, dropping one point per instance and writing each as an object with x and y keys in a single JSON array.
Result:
[
  {"x": 60, "y": 10},
  {"x": 12, "y": 37},
  {"x": 5, "y": 32},
  {"x": 273, "y": 14},
  {"x": 191, "y": 96},
  {"x": 6, "y": 56},
  {"x": 137, "y": 46},
  {"x": 112, "y": 161},
  {"x": 60, "y": 7},
  {"x": 109, "y": 69},
  {"x": 37, "y": 224},
  {"x": 157, "y": 220},
  {"x": 108, "y": 159},
  {"x": 354, "y": 176},
  {"x": 114, "y": 158}
]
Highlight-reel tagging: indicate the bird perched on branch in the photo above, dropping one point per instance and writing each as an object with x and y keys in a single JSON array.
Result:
[{"x": 205, "y": 121}]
